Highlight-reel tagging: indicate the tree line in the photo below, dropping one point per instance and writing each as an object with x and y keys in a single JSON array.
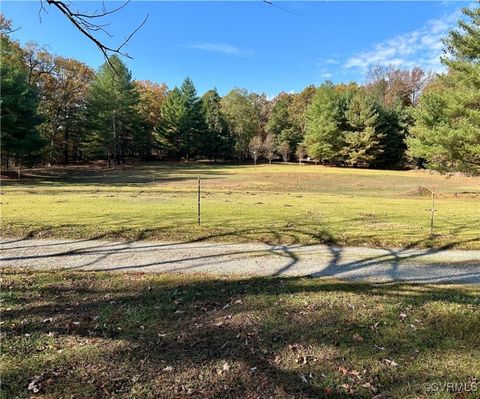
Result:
[{"x": 58, "y": 110}]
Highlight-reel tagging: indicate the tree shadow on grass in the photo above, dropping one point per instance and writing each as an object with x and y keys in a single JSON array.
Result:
[
  {"x": 129, "y": 176},
  {"x": 280, "y": 337}
]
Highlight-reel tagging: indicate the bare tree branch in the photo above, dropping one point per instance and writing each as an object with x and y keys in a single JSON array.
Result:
[
  {"x": 103, "y": 13},
  {"x": 82, "y": 21},
  {"x": 280, "y": 7}
]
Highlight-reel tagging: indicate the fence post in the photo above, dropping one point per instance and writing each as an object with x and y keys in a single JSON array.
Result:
[
  {"x": 198, "y": 202},
  {"x": 432, "y": 213}
]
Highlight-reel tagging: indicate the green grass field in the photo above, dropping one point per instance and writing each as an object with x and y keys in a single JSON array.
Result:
[
  {"x": 272, "y": 203},
  {"x": 131, "y": 335}
]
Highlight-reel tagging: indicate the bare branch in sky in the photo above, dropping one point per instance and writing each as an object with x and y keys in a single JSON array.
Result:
[{"x": 86, "y": 23}]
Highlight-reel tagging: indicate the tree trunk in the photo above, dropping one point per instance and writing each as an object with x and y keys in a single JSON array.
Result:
[{"x": 65, "y": 146}]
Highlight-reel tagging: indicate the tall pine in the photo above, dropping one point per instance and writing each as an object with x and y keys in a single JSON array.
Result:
[
  {"x": 193, "y": 122},
  {"x": 216, "y": 140},
  {"x": 363, "y": 135},
  {"x": 19, "y": 101},
  {"x": 182, "y": 122},
  {"x": 112, "y": 113},
  {"x": 447, "y": 128}
]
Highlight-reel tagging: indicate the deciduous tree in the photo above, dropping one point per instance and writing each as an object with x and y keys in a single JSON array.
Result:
[
  {"x": 255, "y": 148},
  {"x": 269, "y": 146},
  {"x": 285, "y": 151},
  {"x": 64, "y": 100},
  {"x": 150, "y": 99},
  {"x": 242, "y": 119}
]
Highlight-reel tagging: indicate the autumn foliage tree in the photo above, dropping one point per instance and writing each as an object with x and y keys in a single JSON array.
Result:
[
  {"x": 149, "y": 107},
  {"x": 63, "y": 107},
  {"x": 57, "y": 110}
]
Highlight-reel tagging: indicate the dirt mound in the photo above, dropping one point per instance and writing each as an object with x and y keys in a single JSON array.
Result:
[{"x": 419, "y": 191}]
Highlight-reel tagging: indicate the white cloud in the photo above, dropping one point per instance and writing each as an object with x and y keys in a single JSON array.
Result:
[
  {"x": 216, "y": 48},
  {"x": 326, "y": 75},
  {"x": 422, "y": 47},
  {"x": 331, "y": 61}
]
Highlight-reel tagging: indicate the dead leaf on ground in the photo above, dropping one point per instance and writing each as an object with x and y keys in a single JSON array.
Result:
[
  {"x": 34, "y": 385},
  {"x": 391, "y": 362},
  {"x": 357, "y": 337},
  {"x": 328, "y": 391}
]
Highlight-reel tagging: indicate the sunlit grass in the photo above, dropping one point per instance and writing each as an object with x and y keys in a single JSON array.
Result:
[{"x": 275, "y": 203}]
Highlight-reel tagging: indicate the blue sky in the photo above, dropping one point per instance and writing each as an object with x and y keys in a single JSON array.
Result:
[{"x": 251, "y": 44}]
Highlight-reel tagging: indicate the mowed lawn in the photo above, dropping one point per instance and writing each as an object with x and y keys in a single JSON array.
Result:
[
  {"x": 131, "y": 335},
  {"x": 272, "y": 203}
]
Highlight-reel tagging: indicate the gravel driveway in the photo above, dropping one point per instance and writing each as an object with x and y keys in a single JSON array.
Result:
[{"x": 352, "y": 263}]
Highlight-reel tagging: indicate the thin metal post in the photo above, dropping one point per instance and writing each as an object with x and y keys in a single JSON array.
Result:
[
  {"x": 432, "y": 213},
  {"x": 198, "y": 207}
]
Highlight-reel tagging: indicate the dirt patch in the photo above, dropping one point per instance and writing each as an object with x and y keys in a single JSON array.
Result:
[
  {"x": 419, "y": 191},
  {"x": 467, "y": 194}
]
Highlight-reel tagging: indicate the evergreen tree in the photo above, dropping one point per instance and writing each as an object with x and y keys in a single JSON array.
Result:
[
  {"x": 168, "y": 131},
  {"x": 363, "y": 136},
  {"x": 394, "y": 123},
  {"x": 216, "y": 141},
  {"x": 182, "y": 122},
  {"x": 112, "y": 113},
  {"x": 19, "y": 101},
  {"x": 447, "y": 128},
  {"x": 323, "y": 138},
  {"x": 192, "y": 122}
]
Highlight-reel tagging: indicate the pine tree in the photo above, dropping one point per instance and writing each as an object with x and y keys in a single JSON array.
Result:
[
  {"x": 192, "y": 122},
  {"x": 112, "y": 113},
  {"x": 168, "y": 132},
  {"x": 216, "y": 141},
  {"x": 447, "y": 128},
  {"x": 363, "y": 136},
  {"x": 19, "y": 101},
  {"x": 182, "y": 122},
  {"x": 394, "y": 123}
]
